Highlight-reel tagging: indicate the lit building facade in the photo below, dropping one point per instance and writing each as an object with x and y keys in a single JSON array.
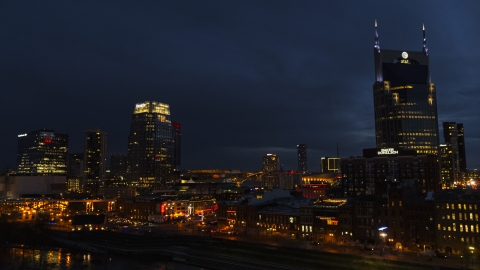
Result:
[
  {"x": 447, "y": 166},
  {"x": 177, "y": 144},
  {"x": 302, "y": 158},
  {"x": 177, "y": 150},
  {"x": 118, "y": 165},
  {"x": 42, "y": 152},
  {"x": 378, "y": 167},
  {"x": 405, "y": 103},
  {"x": 461, "y": 148},
  {"x": 453, "y": 134},
  {"x": 329, "y": 164},
  {"x": 457, "y": 221},
  {"x": 75, "y": 172},
  {"x": 150, "y": 145},
  {"x": 271, "y": 162},
  {"x": 95, "y": 158}
]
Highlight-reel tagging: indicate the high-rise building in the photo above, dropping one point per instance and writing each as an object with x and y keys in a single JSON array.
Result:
[
  {"x": 377, "y": 168},
  {"x": 75, "y": 172},
  {"x": 271, "y": 162},
  {"x": 177, "y": 144},
  {"x": 42, "y": 152},
  {"x": 95, "y": 158},
  {"x": 461, "y": 148},
  {"x": 177, "y": 150},
  {"x": 302, "y": 158},
  {"x": 450, "y": 135},
  {"x": 329, "y": 165},
  {"x": 405, "y": 102},
  {"x": 447, "y": 166},
  {"x": 454, "y": 136},
  {"x": 118, "y": 165},
  {"x": 150, "y": 145}
]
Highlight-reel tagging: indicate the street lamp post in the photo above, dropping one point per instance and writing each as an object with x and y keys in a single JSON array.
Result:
[{"x": 383, "y": 235}]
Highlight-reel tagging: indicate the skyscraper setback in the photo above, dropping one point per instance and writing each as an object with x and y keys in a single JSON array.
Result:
[
  {"x": 150, "y": 145},
  {"x": 405, "y": 100}
]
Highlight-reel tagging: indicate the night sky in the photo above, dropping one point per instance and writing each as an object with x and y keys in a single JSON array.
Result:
[{"x": 245, "y": 78}]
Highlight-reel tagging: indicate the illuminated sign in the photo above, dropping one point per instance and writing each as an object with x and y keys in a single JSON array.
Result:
[
  {"x": 388, "y": 151},
  {"x": 48, "y": 140},
  {"x": 22, "y": 135},
  {"x": 401, "y": 87},
  {"x": 141, "y": 105},
  {"x": 291, "y": 219},
  {"x": 333, "y": 222},
  {"x": 404, "y": 55},
  {"x": 325, "y": 218}
]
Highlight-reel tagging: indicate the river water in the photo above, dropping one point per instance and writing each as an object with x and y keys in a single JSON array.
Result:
[{"x": 66, "y": 259}]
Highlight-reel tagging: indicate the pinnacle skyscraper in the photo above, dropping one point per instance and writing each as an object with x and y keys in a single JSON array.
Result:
[
  {"x": 405, "y": 100},
  {"x": 150, "y": 145}
]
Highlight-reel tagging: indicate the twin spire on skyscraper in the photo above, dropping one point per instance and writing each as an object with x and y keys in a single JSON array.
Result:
[
  {"x": 425, "y": 48},
  {"x": 377, "y": 42}
]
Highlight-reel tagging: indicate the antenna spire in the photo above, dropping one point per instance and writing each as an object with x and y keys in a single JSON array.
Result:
[
  {"x": 425, "y": 48},
  {"x": 377, "y": 43}
]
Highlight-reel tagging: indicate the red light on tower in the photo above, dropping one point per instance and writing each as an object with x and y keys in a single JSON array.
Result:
[{"x": 47, "y": 140}]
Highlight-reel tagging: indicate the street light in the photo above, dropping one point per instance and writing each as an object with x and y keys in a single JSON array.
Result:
[{"x": 383, "y": 248}]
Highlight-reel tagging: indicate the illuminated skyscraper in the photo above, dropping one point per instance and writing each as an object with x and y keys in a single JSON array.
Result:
[
  {"x": 118, "y": 165},
  {"x": 454, "y": 137},
  {"x": 150, "y": 145},
  {"x": 42, "y": 152},
  {"x": 302, "y": 158},
  {"x": 95, "y": 158},
  {"x": 405, "y": 100},
  {"x": 447, "y": 166},
  {"x": 461, "y": 148},
  {"x": 271, "y": 162},
  {"x": 329, "y": 164},
  {"x": 177, "y": 150},
  {"x": 75, "y": 173}
]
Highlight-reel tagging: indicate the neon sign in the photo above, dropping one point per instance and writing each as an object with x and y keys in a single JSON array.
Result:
[
  {"x": 387, "y": 151},
  {"x": 22, "y": 135}
]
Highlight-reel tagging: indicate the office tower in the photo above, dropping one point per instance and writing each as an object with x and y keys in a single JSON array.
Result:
[
  {"x": 75, "y": 172},
  {"x": 461, "y": 149},
  {"x": 271, "y": 162},
  {"x": 177, "y": 144},
  {"x": 377, "y": 168},
  {"x": 150, "y": 145},
  {"x": 177, "y": 151},
  {"x": 118, "y": 165},
  {"x": 302, "y": 158},
  {"x": 95, "y": 158},
  {"x": 447, "y": 166},
  {"x": 329, "y": 165},
  {"x": 42, "y": 152},
  {"x": 450, "y": 135},
  {"x": 75, "y": 165},
  {"x": 405, "y": 103}
]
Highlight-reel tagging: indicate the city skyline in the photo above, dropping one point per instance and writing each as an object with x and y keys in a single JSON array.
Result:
[{"x": 244, "y": 80}]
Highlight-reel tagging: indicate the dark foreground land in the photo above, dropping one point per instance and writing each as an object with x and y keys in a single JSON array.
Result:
[{"x": 211, "y": 252}]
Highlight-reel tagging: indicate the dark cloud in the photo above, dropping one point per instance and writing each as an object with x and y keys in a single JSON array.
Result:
[{"x": 243, "y": 78}]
